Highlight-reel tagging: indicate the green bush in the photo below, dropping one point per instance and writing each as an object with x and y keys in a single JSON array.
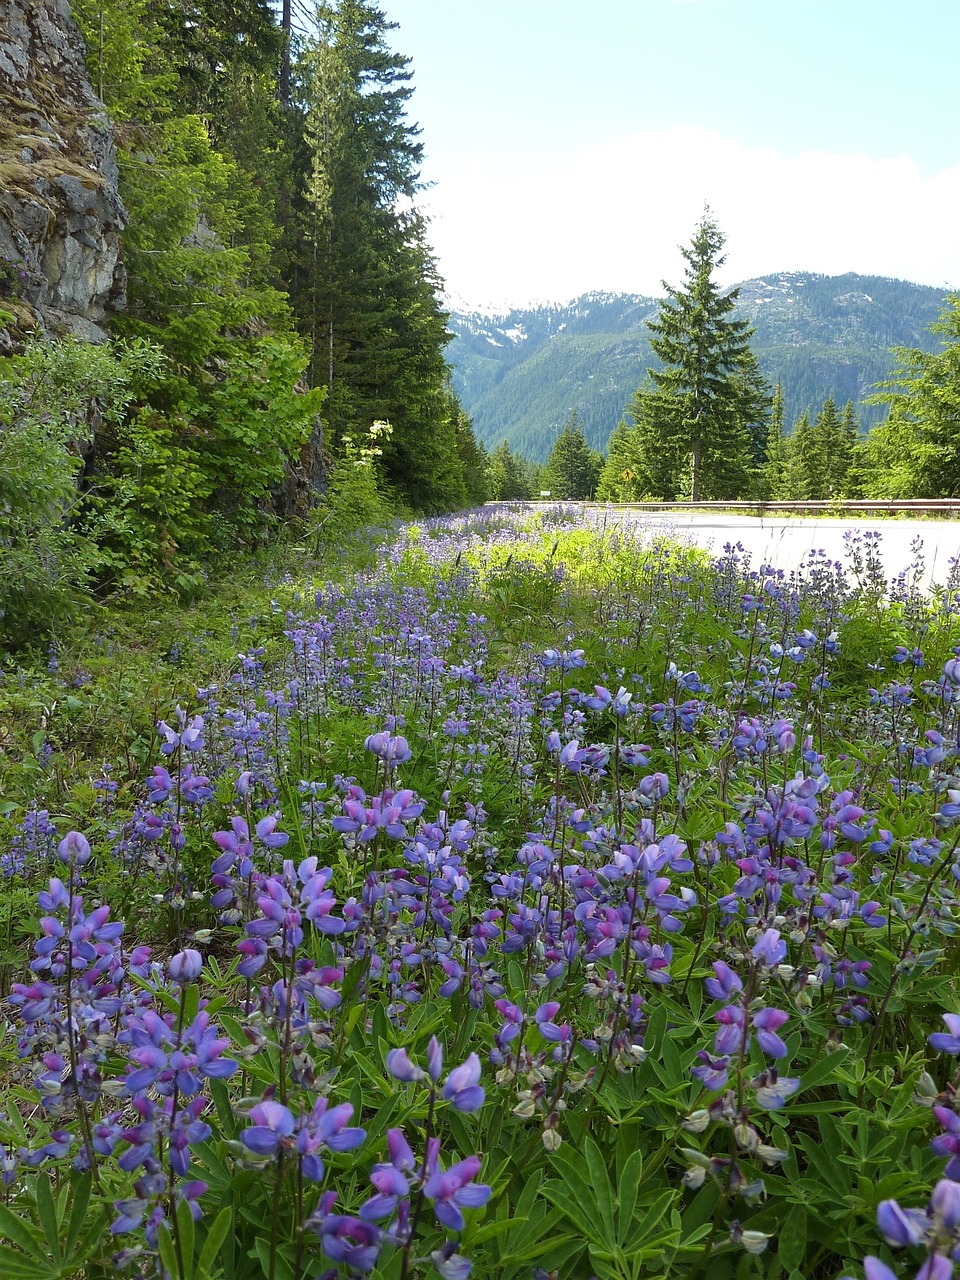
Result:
[{"x": 53, "y": 399}]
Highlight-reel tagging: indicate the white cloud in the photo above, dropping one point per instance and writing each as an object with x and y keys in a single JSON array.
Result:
[{"x": 512, "y": 229}]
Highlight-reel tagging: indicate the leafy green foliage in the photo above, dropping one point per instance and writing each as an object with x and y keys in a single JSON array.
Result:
[{"x": 55, "y": 400}]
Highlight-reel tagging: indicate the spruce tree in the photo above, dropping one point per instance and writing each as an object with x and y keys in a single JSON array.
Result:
[
  {"x": 618, "y": 475},
  {"x": 368, "y": 282},
  {"x": 508, "y": 478},
  {"x": 915, "y": 453},
  {"x": 824, "y": 453},
  {"x": 796, "y": 482},
  {"x": 571, "y": 471},
  {"x": 701, "y": 418},
  {"x": 778, "y": 448}
]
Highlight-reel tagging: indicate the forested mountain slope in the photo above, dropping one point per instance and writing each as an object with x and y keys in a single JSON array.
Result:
[{"x": 520, "y": 375}]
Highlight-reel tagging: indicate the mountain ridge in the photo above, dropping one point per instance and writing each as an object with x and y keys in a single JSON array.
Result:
[{"x": 520, "y": 372}]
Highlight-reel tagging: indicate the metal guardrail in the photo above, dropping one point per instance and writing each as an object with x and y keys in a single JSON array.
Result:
[{"x": 848, "y": 507}]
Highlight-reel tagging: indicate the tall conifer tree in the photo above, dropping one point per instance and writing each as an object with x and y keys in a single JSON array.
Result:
[
  {"x": 778, "y": 448},
  {"x": 701, "y": 420},
  {"x": 369, "y": 283},
  {"x": 571, "y": 471}
]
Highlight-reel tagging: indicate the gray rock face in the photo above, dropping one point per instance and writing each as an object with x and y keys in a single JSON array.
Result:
[{"x": 60, "y": 212}]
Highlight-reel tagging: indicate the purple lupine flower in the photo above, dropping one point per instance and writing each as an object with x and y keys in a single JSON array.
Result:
[
  {"x": 947, "y": 1043},
  {"x": 732, "y": 1038},
  {"x": 771, "y": 1091},
  {"x": 869, "y": 915},
  {"x": 512, "y": 1022},
  {"x": 272, "y": 1124},
  {"x": 713, "y": 1073},
  {"x": 391, "y": 750},
  {"x": 945, "y": 1203},
  {"x": 462, "y": 1088},
  {"x": 770, "y": 949},
  {"x": 874, "y": 1269},
  {"x": 948, "y": 1143},
  {"x": 900, "y": 1227},
  {"x": 267, "y": 833},
  {"x": 325, "y": 1126},
  {"x": 766, "y": 1023},
  {"x": 390, "y": 1179},
  {"x": 434, "y": 1059},
  {"x": 936, "y": 1266},
  {"x": 402, "y": 1068},
  {"x": 392, "y": 1187},
  {"x": 350, "y": 1240},
  {"x": 454, "y": 1189},
  {"x": 449, "y": 1264},
  {"x": 60, "y": 1145},
  {"x": 186, "y": 1130},
  {"x": 74, "y": 849},
  {"x": 186, "y": 966},
  {"x": 8, "y": 1166},
  {"x": 725, "y": 984}
]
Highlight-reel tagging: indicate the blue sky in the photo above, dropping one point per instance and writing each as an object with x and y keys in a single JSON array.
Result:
[{"x": 572, "y": 144}]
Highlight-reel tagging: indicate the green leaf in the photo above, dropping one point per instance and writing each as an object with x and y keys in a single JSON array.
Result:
[
  {"x": 490, "y": 1230},
  {"x": 214, "y": 1241},
  {"x": 49, "y": 1219},
  {"x": 14, "y": 1266},
  {"x": 655, "y": 1214},
  {"x": 78, "y": 1213},
  {"x": 829, "y": 1172},
  {"x": 628, "y": 1183},
  {"x": 600, "y": 1185},
  {"x": 792, "y": 1240},
  {"x": 187, "y": 1234},
  {"x": 822, "y": 1069},
  {"x": 282, "y": 1270},
  {"x": 16, "y": 1229},
  {"x": 572, "y": 1206},
  {"x": 168, "y": 1254}
]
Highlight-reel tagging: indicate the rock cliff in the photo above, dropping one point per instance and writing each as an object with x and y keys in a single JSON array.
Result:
[{"x": 60, "y": 212}]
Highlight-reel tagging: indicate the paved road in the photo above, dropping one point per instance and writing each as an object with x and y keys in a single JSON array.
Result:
[{"x": 786, "y": 541}]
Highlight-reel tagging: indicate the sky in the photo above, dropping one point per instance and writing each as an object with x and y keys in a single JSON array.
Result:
[{"x": 572, "y": 145}]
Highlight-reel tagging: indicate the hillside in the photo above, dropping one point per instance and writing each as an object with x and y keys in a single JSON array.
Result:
[{"x": 519, "y": 375}]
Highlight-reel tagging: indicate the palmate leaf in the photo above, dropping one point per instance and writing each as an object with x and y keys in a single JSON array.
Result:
[
  {"x": 17, "y": 1267},
  {"x": 216, "y": 1235},
  {"x": 49, "y": 1218},
  {"x": 628, "y": 1183},
  {"x": 22, "y": 1234},
  {"x": 78, "y": 1214}
]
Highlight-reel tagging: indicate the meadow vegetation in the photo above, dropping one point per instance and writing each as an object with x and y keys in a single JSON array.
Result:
[{"x": 501, "y": 893}]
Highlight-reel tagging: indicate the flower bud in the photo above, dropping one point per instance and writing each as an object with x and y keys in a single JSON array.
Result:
[{"x": 185, "y": 966}]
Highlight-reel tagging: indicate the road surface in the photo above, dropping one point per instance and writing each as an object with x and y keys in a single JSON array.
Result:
[{"x": 785, "y": 542}]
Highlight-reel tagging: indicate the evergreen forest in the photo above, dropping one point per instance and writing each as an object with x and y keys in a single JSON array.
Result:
[{"x": 282, "y": 298}]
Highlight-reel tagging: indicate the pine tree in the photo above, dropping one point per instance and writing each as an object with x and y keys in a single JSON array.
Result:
[
  {"x": 853, "y": 451},
  {"x": 795, "y": 485},
  {"x": 571, "y": 471},
  {"x": 701, "y": 419},
  {"x": 369, "y": 285},
  {"x": 778, "y": 448},
  {"x": 915, "y": 453},
  {"x": 618, "y": 475},
  {"x": 824, "y": 454},
  {"x": 508, "y": 479}
]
